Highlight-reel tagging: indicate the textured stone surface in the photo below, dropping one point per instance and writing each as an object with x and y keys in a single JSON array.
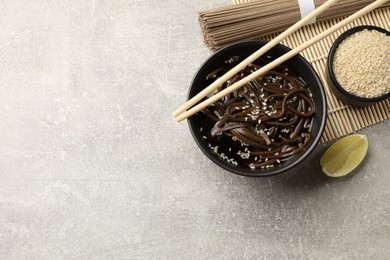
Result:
[{"x": 92, "y": 165}]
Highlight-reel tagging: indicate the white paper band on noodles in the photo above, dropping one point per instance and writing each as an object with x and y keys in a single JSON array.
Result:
[{"x": 306, "y": 7}]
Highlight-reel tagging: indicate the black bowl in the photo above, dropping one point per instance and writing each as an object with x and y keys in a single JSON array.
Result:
[
  {"x": 298, "y": 65},
  {"x": 335, "y": 86}
]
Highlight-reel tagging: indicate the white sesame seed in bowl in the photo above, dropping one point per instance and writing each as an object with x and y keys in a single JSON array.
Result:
[{"x": 358, "y": 66}]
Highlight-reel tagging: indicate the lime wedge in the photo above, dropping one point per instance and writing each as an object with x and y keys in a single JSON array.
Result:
[{"x": 344, "y": 155}]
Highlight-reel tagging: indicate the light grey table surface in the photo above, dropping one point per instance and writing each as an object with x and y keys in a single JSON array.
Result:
[{"x": 93, "y": 166}]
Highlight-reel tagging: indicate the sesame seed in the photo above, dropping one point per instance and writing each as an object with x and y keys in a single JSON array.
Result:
[{"x": 358, "y": 79}]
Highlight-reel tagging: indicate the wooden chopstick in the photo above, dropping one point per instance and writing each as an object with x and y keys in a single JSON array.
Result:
[
  {"x": 181, "y": 116},
  {"x": 253, "y": 57}
]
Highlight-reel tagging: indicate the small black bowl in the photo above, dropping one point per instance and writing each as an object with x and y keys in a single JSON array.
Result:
[
  {"x": 335, "y": 86},
  {"x": 298, "y": 65}
]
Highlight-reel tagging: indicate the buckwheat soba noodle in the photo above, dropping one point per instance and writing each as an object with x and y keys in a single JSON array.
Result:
[{"x": 263, "y": 123}]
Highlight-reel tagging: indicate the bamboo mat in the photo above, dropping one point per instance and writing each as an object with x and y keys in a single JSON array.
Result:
[{"x": 342, "y": 119}]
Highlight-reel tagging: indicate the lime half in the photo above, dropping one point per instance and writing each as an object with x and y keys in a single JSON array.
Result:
[{"x": 344, "y": 155}]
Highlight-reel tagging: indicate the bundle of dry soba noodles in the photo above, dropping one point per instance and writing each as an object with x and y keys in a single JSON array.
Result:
[{"x": 249, "y": 19}]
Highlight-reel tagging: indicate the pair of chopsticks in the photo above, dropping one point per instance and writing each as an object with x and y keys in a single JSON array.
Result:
[{"x": 188, "y": 109}]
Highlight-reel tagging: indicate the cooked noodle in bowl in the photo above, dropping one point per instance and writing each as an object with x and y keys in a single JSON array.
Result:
[
  {"x": 265, "y": 122},
  {"x": 267, "y": 126}
]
